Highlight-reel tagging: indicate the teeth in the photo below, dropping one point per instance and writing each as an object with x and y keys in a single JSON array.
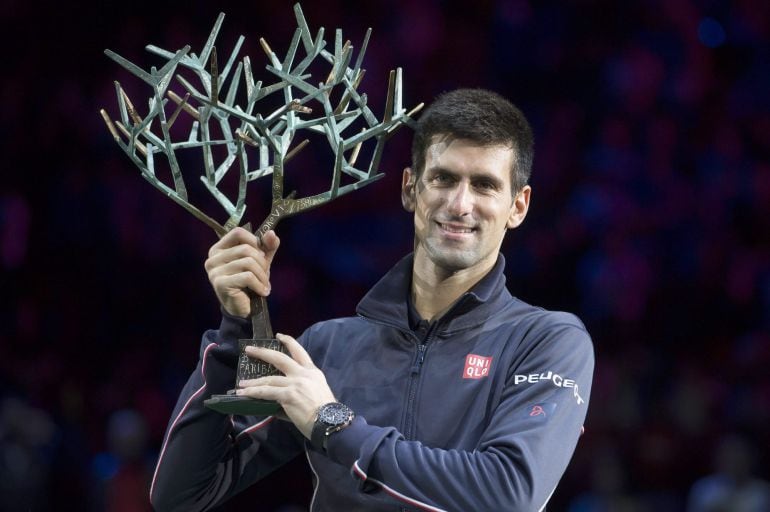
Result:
[{"x": 453, "y": 229}]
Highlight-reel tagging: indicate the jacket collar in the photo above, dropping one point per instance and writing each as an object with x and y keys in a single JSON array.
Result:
[{"x": 387, "y": 302}]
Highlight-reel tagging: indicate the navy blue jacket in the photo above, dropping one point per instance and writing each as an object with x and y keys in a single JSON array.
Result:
[{"x": 481, "y": 410}]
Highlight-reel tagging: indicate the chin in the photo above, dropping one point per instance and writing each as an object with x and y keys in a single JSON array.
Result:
[{"x": 452, "y": 260}]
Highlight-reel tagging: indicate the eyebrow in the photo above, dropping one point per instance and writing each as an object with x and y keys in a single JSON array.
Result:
[{"x": 475, "y": 176}]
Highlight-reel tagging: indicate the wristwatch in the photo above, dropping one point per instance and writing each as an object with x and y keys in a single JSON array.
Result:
[{"x": 331, "y": 418}]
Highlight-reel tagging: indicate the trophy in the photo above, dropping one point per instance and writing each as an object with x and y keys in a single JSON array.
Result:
[{"x": 229, "y": 132}]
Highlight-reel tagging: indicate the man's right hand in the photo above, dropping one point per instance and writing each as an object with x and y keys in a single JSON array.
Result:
[{"x": 238, "y": 261}]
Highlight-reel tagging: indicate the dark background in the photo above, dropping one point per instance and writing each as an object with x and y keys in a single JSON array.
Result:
[{"x": 650, "y": 219}]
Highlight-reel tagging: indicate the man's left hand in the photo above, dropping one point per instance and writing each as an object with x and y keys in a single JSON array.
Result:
[{"x": 302, "y": 388}]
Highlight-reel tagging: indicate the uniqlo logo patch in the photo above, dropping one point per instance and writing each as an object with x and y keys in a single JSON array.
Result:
[{"x": 476, "y": 367}]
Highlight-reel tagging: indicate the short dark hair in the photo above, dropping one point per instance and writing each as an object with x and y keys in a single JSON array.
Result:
[{"x": 483, "y": 117}]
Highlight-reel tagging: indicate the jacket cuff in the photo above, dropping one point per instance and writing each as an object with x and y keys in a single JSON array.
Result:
[
  {"x": 343, "y": 447},
  {"x": 233, "y": 328}
]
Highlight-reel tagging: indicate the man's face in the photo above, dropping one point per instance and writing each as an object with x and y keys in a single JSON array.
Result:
[{"x": 462, "y": 204}]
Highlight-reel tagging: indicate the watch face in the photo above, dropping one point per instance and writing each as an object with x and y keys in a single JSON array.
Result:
[{"x": 334, "y": 414}]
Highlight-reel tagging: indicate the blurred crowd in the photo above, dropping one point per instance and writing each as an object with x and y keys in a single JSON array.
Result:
[{"x": 650, "y": 219}]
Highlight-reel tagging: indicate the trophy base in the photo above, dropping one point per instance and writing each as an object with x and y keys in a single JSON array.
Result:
[
  {"x": 242, "y": 405},
  {"x": 249, "y": 369}
]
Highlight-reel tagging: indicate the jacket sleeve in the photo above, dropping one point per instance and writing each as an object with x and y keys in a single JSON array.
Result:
[
  {"x": 207, "y": 457},
  {"x": 521, "y": 455}
]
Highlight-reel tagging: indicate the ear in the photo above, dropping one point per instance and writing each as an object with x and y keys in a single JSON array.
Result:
[
  {"x": 408, "y": 179},
  {"x": 519, "y": 207}
]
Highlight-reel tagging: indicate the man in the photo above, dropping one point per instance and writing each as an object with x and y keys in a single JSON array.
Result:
[{"x": 444, "y": 393}]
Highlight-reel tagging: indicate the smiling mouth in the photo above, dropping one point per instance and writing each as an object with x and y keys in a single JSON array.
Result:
[{"x": 449, "y": 228}]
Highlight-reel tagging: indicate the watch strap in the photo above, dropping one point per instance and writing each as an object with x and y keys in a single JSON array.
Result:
[
  {"x": 327, "y": 424},
  {"x": 317, "y": 436}
]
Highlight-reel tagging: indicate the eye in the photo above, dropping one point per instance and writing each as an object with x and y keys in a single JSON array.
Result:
[
  {"x": 486, "y": 185},
  {"x": 441, "y": 178}
]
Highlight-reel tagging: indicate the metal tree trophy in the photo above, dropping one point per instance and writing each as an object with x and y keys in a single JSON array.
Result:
[{"x": 146, "y": 139}]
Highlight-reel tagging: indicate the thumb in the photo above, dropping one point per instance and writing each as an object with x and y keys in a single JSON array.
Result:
[{"x": 270, "y": 243}]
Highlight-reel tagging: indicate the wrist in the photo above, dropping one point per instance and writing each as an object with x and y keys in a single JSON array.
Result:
[
  {"x": 233, "y": 328},
  {"x": 331, "y": 418},
  {"x": 233, "y": 311}
]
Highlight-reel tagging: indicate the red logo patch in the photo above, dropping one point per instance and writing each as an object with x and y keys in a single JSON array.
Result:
[{"x": 476, "y": 367}]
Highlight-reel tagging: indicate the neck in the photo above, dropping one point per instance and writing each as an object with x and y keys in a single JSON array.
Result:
[{"x": 435, "y": 289}]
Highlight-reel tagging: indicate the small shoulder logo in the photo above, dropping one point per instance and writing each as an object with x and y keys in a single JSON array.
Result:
[
  {"x": 540, "y": 412},
  {"x": 476, "y": 367}
]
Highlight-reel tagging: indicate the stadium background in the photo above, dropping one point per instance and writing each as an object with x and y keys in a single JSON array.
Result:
[{"x": 650, "y": 219}]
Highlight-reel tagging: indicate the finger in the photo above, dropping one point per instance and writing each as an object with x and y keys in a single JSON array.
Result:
[
  {"x": 264, "y": 392},
  {"x": 239, "y": 266},
  {"x": 235, "y": 236},
  {"x": 271, "y": 380},
  {"x": 230, "y": 254},
  {"x": 246, "y": 263},
  {"x": 281, "y": 361},
  {"x": 270, "y": 244},
  {"x": 233, "y": 284},
  {"x": 297, "y": 352}
]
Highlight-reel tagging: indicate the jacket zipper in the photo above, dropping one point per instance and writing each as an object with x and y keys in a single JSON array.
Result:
[
  {"x": 422, "y": 347},
  {"x": 417, "y": 366},
  {"x": 419, "y": 360}
]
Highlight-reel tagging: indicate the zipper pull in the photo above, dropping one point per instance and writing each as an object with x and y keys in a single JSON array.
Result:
[{"x": 420, "y": 358}]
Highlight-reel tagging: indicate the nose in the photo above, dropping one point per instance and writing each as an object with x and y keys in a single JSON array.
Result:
[{"x": 461, "y": 200}]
